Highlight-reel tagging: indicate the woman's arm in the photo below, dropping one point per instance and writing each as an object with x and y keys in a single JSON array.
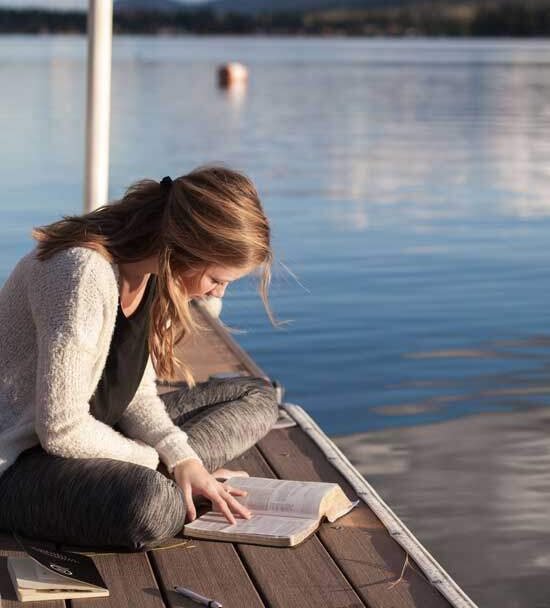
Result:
[
  {"x": 146, "y": 418},
  {"x": 68, "y": 302}
]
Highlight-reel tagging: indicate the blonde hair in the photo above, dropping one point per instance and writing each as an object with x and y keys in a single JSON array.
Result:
[{"x": 211, "y": 215}]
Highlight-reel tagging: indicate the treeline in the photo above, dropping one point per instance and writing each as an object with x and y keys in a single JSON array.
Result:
[
  {"x": 427, "y": 19},
  {"x": 510, "y": 19},
  {"x": 196, "y": 21}
]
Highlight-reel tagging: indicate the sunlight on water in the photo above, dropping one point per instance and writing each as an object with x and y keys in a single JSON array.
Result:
[{"x": 408, "y": 186}]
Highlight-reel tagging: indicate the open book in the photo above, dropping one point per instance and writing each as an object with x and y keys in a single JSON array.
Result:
[
  {"x": 51, "y": 574},
  {"x": 284, "y": 512}
]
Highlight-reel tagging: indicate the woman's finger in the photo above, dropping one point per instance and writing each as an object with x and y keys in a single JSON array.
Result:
[
  {"x": 232, "y": 490},
  {"x": 225, "y": 509},
  {"x": 237, "y": 491},
  {"x": 238, "y": 507},
  {"x": 191, "y": 511}
]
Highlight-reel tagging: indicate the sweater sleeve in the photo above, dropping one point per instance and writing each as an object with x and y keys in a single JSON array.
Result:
[
  {"x": 146, "y": 418},
  {"x": 68, "y": 311}
]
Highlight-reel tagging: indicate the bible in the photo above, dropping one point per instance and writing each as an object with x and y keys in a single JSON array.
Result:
[
  {"x": 284, "y": 512},
  {"x": 51, "y": 574}
]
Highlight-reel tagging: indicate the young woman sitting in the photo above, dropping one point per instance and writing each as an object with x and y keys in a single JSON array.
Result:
[{"x": 89, "y": 319}]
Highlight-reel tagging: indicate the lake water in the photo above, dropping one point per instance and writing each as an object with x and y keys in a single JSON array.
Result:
[{"x": 408, "y": 186}]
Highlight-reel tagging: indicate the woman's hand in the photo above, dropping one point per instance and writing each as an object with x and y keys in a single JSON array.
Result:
[
  {"x": 227, "y": 473},
  {"x": 193, "y": 479}
]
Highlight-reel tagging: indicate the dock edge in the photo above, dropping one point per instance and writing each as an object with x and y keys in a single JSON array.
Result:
[{"x": 433, "y": 571}]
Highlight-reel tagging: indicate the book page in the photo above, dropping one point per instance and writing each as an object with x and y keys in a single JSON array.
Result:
[
  {"x": 261, "y": 524},
  {"x": 280, "y": 496}
]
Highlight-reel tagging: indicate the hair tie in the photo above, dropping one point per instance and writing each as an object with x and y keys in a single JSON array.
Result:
[{"x": 166, "y": 183}]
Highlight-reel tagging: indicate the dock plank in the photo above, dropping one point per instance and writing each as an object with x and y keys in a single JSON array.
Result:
[
  {"x": 224, "y": 342},
  {"x": 303, "y": 576},
  {"x": 130, "y": 581},
  {"x": 146, "y": 579},
  {"x": 358, "y": 542},
  {"x": 9, "y": 547},
  {"x": 213, "y": 350},
  {"x": 211, "y": 568},
  {"x": 310, "y": 576}
]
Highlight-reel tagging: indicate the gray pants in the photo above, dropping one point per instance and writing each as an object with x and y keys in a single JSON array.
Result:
[{"x": 101, "y": 502}]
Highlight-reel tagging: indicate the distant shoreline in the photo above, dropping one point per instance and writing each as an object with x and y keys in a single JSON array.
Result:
[{"x": 484, "y": 20}]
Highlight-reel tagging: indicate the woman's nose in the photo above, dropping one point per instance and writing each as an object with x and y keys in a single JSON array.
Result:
[{"x": 219, "y": 291}]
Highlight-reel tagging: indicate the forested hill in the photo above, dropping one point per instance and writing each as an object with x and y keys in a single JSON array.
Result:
[
  {"x": 255, "y": 7},
  {"x": 301, "y": 17}
]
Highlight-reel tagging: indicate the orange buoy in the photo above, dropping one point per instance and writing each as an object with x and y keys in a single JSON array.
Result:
[{"x": 232, "y": 73}]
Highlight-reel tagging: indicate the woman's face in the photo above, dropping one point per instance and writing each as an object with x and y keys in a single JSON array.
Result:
[{"x": 214, "y": 281}]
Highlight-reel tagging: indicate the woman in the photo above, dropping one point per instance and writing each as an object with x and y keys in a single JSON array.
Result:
[{"x": 88, "y": 319}]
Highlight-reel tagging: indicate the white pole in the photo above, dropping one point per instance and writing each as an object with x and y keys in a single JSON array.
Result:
[{"x": 98, "y": 109}]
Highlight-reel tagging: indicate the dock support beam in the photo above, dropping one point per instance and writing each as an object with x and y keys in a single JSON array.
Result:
[{"x": 98, "y": 107}]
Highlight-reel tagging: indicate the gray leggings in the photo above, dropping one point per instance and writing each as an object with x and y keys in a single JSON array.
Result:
[{"x": 101, "y": 502}]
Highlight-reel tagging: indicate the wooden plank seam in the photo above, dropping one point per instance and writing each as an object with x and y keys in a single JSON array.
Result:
[
  {"x": 244, "y": 560},
  {"x": 334, "y": 457},
  {"x": 251, "y": 575},
  {"x": 435, "y": 573},
  {"x": 157, "y": 576}
]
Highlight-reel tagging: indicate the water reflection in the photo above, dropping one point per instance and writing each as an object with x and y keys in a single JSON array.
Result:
[
  {"x": 407, "y": 183},
  {"x": 236, "y": 94},
  {"x": 475, "y": 492},
  {"x": 443, "y": 143}
]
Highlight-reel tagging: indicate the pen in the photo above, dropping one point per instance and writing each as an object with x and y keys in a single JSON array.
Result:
[{"x": 200, "y": 599}]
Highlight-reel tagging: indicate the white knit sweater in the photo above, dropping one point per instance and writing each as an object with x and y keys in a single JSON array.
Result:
[{"x": 57, "y": 318}]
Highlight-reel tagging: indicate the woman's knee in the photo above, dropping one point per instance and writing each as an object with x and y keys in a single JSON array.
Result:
[
  {"x": 90, "y": 502},
  {"x": 256, "y": 394},
  {"x": 264, "y": 397},
  {"x": 154, "y": 512},
  {"x": 259, "y": 408}
]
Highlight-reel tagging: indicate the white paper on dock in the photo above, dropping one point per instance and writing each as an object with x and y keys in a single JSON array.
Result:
[
  {"x": 283, "y": 497},
  {"x": 268, "y": 525}
]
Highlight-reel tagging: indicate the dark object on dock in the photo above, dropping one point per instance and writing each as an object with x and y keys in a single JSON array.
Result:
[
  {"x": 279, "y": 391},
  {"x": 354, "y": 562}
]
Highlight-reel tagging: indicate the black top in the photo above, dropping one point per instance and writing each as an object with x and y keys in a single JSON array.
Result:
[{"x": 126, "y": 360}]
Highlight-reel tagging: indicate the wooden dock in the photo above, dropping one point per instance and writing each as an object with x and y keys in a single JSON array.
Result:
[{"x": 351, "y": 563}]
